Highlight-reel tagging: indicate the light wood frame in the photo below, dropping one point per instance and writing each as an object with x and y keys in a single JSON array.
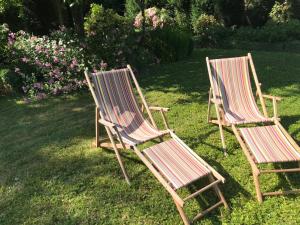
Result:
[
  {"x": 256, "y": 171},
  {"x": 212, "y": 99},
  {"x": 220, "y": 121},
  {"x": 115, "y": 142}
]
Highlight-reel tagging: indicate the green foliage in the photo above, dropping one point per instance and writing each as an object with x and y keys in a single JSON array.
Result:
[
  {"x": 230, "y": 12},
  {"x": 170, "y": 44},
  {"x": 107, "y": 35},
  {"x": 201, "y": 7},
  {"x": 271, "y": 32},
  {"x": 208, "y": 31},
  {"x": 5, "y": 82},
  {"x": 131, "y": 8},
  {"x": 4, "y": 31},
  {"x": 280, "y": 12},
  {"x": 257, "y": 12}
]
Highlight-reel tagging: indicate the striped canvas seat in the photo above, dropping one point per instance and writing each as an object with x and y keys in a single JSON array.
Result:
[
  {"x": 176, "y": 163},
  {"x": 117, "y": 104},
  {"x": 268, "y": 144},
  {"x": 231, "y": 83}
]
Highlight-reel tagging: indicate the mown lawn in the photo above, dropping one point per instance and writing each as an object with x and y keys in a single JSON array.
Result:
[{"x": 50, "y": 174}]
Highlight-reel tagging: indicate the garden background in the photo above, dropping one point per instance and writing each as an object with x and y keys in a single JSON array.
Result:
[{"x": 50, "y": 174}]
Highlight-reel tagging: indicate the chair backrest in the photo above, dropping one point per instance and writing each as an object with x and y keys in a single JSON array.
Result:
[
  {"x": 230, "y": 81},
  {"x": 114, "y": 96}
]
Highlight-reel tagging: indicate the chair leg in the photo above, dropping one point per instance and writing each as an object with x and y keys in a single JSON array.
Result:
[
  {"x": 222, "y": 138},
  {"x": 209, "y": 106},
  {"x": 257, "y": 187},
  {"x": 97, "y": 128},
  {"x": 118, "y": 155},
  {"x": 218, "y": 191},
  {"x": 182, "y": 214}
]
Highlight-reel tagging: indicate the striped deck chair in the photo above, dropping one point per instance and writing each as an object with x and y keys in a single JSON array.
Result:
[
  {"x": 232, "y": 94},
  {"x": 172, "y": 162},
  {"x": 235, "y": 104}
]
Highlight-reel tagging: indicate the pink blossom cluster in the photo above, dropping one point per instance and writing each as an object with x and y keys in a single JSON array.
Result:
[
  {"x": 47, "y": 66},
  {"x": 154, "y": 18}
]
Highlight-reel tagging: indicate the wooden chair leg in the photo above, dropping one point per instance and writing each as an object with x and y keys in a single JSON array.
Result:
[
  {"x": 209, "y": 105},
  {"x": 117, "y": 154},
  {"x": 218, "y": 191},
  {"x": 97, "y": 128},
  {"x": 222, "y": 138},
  {"x": 257, "y": 187},
  {"x": 182, "y": 214}
]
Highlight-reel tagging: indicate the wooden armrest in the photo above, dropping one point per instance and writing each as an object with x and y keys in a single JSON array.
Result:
[
  {"x": 106, "y": 123},
  {"x": 217, "y": 101},
  {"x": 156, "y": 108},
  {"x": 271, "y": 97}
]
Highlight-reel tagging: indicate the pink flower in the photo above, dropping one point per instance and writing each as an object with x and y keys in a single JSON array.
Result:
[
  {"x": 73, "y": 64},
  {"x": 151, "y": 11},
  {"x": 38, "y": 48},
  {"x": 55, "y": 59},
  {"x": 25, "y": 60},
  {"x": 51, "y": 81},
  {"x": 41, "y": 96},
  {"x": 11, "y": 38},
  {"x": 38, "y": 63},
  {"x": 48, "y": 65},
  {"x": 38, "y": 85},
  {"x": 155, "y": 21},
  {"x": 93, "y": 33}
]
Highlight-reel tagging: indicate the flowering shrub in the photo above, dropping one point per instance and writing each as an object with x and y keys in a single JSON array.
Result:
[
  {"x": 209, "y": 31},
  {"x": 154, "y": 18},
  {"x": 47, "y": 65}
]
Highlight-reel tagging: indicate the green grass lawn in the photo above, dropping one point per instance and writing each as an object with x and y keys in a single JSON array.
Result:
[{"x": 50, "y": 174}]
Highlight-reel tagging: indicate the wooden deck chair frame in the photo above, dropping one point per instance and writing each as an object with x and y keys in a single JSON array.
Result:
[
  {"x": 220, "y": 121},
  {"x": 256, "y": 171},
  {"x": 115, "y": 142}
]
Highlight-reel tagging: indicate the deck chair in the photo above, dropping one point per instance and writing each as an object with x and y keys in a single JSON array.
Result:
[
  {"x": 265, "y": 142},
  {"x": 171, "y": 161}
]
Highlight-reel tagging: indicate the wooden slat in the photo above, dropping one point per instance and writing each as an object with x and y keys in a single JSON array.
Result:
[
  {"x": 201, "y": 214},
  {"x": 295, "y": 191},
  {"x": 202, "y": 190}
]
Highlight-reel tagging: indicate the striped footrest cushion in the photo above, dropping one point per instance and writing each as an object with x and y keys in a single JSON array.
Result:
[
  {"x": 176, "y": 163},
  {"x": 268, "y": 144}
]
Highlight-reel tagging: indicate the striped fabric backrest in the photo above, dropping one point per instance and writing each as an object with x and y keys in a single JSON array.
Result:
[
  {"x": 232, "y": 84},
  {"x": 115, "y": 97}
]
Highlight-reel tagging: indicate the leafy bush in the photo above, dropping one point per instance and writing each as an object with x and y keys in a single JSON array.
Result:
[
  {"x": 170, "y": 44},
  {"x": 47, "y": 65},
  {"x": 4, "y": 32},
  {"x": 208, "y": 31},
  {"x": 280, "y": 12},
  {"x": 108, "y": 35},
  {"x": 5, "y": 86},
  {"x": 271, "y": 32}
]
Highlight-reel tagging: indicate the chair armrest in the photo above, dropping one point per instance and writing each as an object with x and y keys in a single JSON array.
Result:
[
  {"x": 162, "y": 111},
  {"x": 106, "y": 123},
  {"x": 271, "y": 97},
  {"x": 217, "y": 101},
  {"x": 156, "y": 108}
]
